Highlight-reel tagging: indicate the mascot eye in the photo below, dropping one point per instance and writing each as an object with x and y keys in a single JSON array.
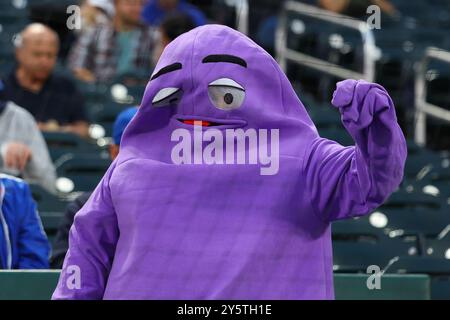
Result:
[
  {"x": 167, "y": 97},
  {"x": 226, "y": 94}
]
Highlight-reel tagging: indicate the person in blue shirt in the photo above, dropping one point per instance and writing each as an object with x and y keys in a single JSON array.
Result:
[
  {"x": 156, "y": 10},
  {"x": 23, "y": 243}
]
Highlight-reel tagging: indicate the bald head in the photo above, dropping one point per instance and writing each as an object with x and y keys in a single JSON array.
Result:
[
  {"x": 38, "y": 33},
  {"x": 37, "y": 50}
]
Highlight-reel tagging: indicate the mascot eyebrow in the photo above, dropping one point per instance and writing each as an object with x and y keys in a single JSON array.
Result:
[
  {"x": 209, "y": 59},
  {"x": 170, "y": 68},
  {"x": 225, "y": 58}
]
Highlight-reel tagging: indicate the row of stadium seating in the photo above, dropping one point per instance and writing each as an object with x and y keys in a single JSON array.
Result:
[
  {"x": 39, "y": 285},
  {"x": 400, "y": 44}
]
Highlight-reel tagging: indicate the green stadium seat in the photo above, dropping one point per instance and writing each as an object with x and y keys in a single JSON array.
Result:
[
  {"x": 392, "y": 287},
  {"x": 439, "y": 247},
  {"x": 325, "y": 117},
  {"x": 307, "y": 98},
  {"x": 40, "y": 284},
  {"x": 46, "y": 201},
  {"x": 350, "y": 256},
  {"x": 93, "y": 93},
  {"x": 338, "y": 135},
  {"x": 6, "y": 49},
  {"x": 428, "y": 223},
  {"x": 9, "y": 16},
  {"x": 62, "y": 143},
  {"x": 438, "y": 176},
  {"x": 137, "y": 92},
  {"x": 438, "y": 269},
  {"x": 85, "y": 170},
  {"x": 413, "y": 147},
  {"x": 51, "y": 209},
  {"x": 356, "y": 229},
  {"x": 5, "y": 66},
  {"x": 10, "y": 25},
  {"x": 415, "y": 163},
  {"x": 413, "y": 199},
  {"x": 28, "y": 284},
  {"x": 105, "y": 115},
  {"x": 102, "y": 94}
]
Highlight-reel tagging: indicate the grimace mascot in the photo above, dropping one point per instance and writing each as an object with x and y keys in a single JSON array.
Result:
[{"x": 223, "y": 188}]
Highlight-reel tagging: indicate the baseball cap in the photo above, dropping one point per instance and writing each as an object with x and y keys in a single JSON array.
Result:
[{"x": 121, "y": 123}]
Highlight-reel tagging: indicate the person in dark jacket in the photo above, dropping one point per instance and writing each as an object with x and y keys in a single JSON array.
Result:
[
  {"x": 62, "y": 237},
  {"x": 23, "y": 243},
  {"x": 61, "y": 243},
  {"x": 35, "y": 85}
]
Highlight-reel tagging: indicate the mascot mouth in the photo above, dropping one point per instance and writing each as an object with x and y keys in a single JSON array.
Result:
[
  {"x": 202, "y": 123},
  {"x": 228, "y": 123}
]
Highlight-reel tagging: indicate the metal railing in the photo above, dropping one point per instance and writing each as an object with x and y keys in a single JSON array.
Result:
[
  {"x": 422, "y": 107},
  {"x": 242, "y": 15},
  {"x": 285, "y": 54}
]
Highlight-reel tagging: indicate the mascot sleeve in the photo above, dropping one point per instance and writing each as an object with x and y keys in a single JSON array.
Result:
[
  {"x": 92, "y": 243},
  {"x": 351, "y": 181}
]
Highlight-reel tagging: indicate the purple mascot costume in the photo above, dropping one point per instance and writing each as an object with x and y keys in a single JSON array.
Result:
[{"x": 223, "y": 188}]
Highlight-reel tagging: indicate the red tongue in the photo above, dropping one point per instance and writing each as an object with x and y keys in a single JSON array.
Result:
[{"x": 202, "y": 122}]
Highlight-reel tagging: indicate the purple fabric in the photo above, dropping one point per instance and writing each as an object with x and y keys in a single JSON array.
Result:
[{"x": 156, "y": 230}]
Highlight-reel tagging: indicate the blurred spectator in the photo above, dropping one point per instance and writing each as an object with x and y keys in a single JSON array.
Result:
[
  {"x": 263, "y": 21},
  {"x": 156, "y": 10},
  {"x": 52, "y": 99},
  {"x": 61, "y": 243},
  {"x": 123, "y": 46},
  {"x": 266, "y": 34},
  {"x": 357, "y": 8},
  {"x": 171, "y": 27},
  {"x": 23, "y": 243},
  {"x": 96, "y": 12},
  {"x": 22, "y": 148}
]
